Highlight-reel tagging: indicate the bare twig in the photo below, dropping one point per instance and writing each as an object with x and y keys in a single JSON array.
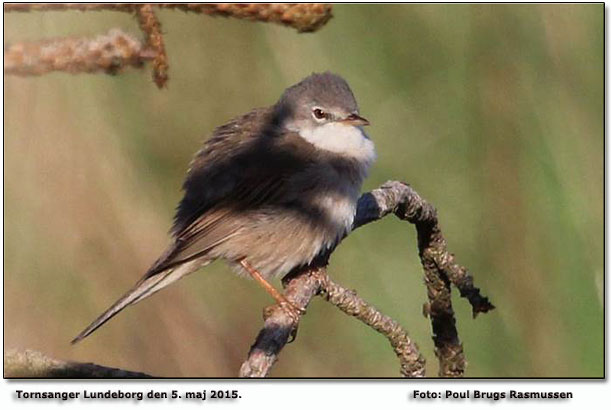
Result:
[
  {"x": 151, "y": 27},
  {"x": 439, "y": 268},
  {"x": 303, "y": 17},
  {"x": 399, "y": 198},
  {"x": 33, "y": 364},
  {"x": 411, "y": 361},
  {"x": 109, "y": 53},
  {"x": 300, "y": 287}
]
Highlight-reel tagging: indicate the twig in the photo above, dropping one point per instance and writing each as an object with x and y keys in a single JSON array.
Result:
[
  {"x": 439, "y": 267},
  {"x": 411, "y": 361},
  {"x": 151, "y": 27},
  {"x": 303, "y": 17},
  {"x": 300, "y": 287},
  {"x": 33, "y": 364},
  {"x": 110, "y": 53}
]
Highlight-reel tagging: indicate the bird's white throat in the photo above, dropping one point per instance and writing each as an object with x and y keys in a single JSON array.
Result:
[{"x": 343, "y": 139}]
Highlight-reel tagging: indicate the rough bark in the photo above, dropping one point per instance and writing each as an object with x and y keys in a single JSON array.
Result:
[{"x": 440, "y": 270}]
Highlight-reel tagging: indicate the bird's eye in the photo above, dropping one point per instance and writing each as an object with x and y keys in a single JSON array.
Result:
[{"x": 319, "y": 114}]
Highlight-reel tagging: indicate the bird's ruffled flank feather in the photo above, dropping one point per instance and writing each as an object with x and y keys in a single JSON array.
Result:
[{"x": 208, "y": 181}]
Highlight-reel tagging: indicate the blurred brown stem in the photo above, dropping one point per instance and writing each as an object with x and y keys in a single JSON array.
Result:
[
  {"x": 303, "y": 17},
  {"x": 151, "y": 27},
  {"x": 109, "y": 53},
  {"x": 112, "y": 53}
]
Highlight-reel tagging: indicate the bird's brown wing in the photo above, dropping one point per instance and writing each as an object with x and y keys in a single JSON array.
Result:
[
  {"x": 220, "y": 222},
  {"x": 244, "y": 165}
]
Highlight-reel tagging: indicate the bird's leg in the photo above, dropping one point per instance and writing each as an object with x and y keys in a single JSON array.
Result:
[{"x": 284, "y": 303}]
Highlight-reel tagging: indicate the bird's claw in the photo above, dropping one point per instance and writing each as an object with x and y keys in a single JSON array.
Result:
[{"x": 293, "y": 312}]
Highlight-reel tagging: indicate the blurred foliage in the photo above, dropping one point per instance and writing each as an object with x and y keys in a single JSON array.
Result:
[{"x": 494, "y": 113}]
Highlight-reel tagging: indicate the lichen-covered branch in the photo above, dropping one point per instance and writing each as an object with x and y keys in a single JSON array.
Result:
[
  {"x": 401, "y": 199},
  {"x": 300, "y": 287},
  {"x": 440, "y": 271},
  {"x": 411, "y": 361},
  {"x": 109, "y": 53},
  {"x": 303, "y": 17},
  {"x": 32, "y": 364},
  {"x": 151, "y": 27},
  {"x": 439, "y": 267}
]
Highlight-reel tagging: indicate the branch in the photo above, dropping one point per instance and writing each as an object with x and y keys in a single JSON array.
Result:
[
  {"x": 110, "y": 53},
  {"x": 278, "y": 326},
  {"x": 303, "y": 17},
  {"x": 300, "y": 287},
  {"x": 411, "y": 361},
  {"x": 399, "y": 198},
  {"x": 33, "y": 364},
  {"x": 439, "y": 268}
]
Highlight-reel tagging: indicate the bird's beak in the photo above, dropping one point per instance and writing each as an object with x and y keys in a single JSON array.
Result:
[{"x": 356, "y": 120}]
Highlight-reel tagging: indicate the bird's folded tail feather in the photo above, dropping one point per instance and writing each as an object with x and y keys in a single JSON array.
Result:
[{"x": 147, "y": 286}]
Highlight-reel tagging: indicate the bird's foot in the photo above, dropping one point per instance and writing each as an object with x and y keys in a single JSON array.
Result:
[{"x": 292, "y": 311}]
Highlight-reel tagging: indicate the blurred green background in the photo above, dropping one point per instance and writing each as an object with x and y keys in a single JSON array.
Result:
[{"x": 494, "y": 113}]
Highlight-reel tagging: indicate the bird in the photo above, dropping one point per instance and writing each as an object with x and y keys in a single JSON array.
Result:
[{"x": 268, "y": 192}]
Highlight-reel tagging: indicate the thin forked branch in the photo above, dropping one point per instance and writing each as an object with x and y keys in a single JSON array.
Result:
[
  {"x": 111, "y": 53},
  {"x": 440, "y": 271},
  {"x": 301, "y": 287},
  {"x": 401, "y": 199}
]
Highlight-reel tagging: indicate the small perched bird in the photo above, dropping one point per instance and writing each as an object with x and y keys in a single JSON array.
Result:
[{"x": 268, "y": 192}]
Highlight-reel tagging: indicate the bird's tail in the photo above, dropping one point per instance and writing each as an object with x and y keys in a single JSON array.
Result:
[{"x": 148, "y": 285}]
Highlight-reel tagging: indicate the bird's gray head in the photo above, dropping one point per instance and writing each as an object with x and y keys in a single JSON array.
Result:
[
  {"x": 323, "y": 111},
  {"x": 318, "y": 100}
]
